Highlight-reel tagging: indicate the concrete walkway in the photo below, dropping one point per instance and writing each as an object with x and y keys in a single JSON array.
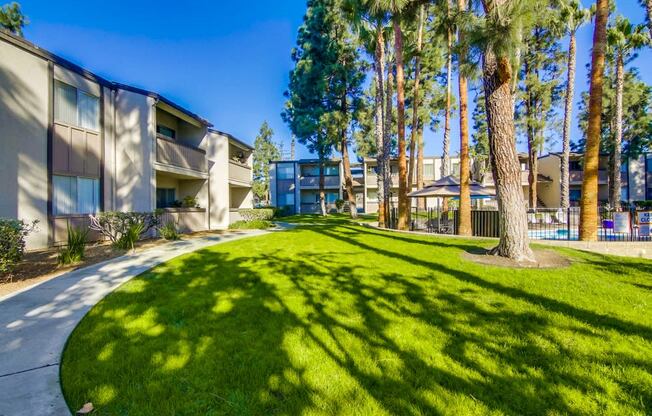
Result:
[{"x": 35, "y": 323}]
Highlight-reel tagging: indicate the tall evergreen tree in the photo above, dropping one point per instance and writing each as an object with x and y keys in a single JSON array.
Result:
[
  {"x": 12, "y": 18},
  {"x": 540, "y": 87},
  {"x": 306, "y": 108},
  {"x": 265, "y": 151}
]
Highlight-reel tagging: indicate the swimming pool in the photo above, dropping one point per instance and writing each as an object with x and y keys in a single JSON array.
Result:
[{"x": 552, "y": 234}]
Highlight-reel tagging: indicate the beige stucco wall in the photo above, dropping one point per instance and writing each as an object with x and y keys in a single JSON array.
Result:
[
  {"x": 23, "y": 133},
  {"x": 550, "y": 193},
  {"x": 135, "y": 178},
  {"x": 637, "y": 179},
  {"x": 217, "y": 153}
]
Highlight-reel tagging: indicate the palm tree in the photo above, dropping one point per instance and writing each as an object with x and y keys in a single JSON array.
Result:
[
  {"x": 589, "y": 200},
  {"x": 445, "y": 159},
  {"x": 499, "y": 55},
  {"x": 415, "y": 105},
  {"x": 464, "y": 227},
  {"x": 403, "y": 206},
  {"x": 573, "y": 16},
  {"x": 624, "y": 39},
  {"x": 648, "y": 5}
]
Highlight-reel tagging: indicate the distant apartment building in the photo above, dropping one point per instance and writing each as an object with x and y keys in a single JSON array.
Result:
[
  {"x": 294, "y": 184},
  {"x": 75, "y": 143}
]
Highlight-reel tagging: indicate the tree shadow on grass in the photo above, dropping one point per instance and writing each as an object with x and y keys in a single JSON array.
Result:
[{"x": 257, "y": 331}]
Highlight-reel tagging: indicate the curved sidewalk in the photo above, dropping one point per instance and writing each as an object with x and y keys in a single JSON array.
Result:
[{"x": 35, "y": 323}]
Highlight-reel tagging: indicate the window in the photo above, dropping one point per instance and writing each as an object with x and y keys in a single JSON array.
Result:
[
  {"x": 393, "y": 169},
  {"x": 165, "y": 197},
  {"x": 286, "y": 199},
  {"x": 331, "y": 170},
  {"x": 285, "y": 171},
  {"x": 310, "y": 171},
  {"x": 75, "y": 107},
  {"x": 575, "y": 194},
  {"x": 429, "y": 171},
  {"x": 372, "y": 170},
  {"x": 574, "y": 165},
  {"x": 624, "y": 193},
  {"x": 75, "y": 195},
  {"x": 456, "y": 169},
  {"x": 309, "y": 197},
  {"x": 524, "y": 166},
  {"x": 166, "y": 131},
  {"x": 648, "y": 164}
]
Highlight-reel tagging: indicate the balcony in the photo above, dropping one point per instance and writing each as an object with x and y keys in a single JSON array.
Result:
[
  {"x": 576, "y": 176},
  {"x": 170, "y": 152},
  {"x": 313, "y": 181},
  {"x": 372, "y": 180},
  {"x": 239, "y": 173}
]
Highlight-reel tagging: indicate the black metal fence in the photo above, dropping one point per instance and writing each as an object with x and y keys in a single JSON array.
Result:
[{"x": 543, "y": 223}]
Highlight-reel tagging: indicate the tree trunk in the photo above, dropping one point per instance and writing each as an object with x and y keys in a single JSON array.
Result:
[
  {"x": 614, "y": 184},
  {"x": 568, "y": 112},
  {"x": 465, "y": 168},
  {"x": 322, "y": 195},
  {"x": 445, "y": 159},
  {"x": 421, "y": 202},
  {"x": 379, "y": 64},
  {"x": 533, "y": 173},
  {"x": 387, "y": 145},
  {"x": 400, "y": 114},
  {"x": 589, "y": 201},
  {"x": 497, "y": 74},
  {"x": 348, "y": 178},
  {"x": 414, "y": 132}
]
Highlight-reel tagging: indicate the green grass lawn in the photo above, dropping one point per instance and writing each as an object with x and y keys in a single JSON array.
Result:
[{"x": 340, "y": 319}]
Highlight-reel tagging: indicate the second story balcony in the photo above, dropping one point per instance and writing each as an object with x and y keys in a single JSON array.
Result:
[
  {"x": 172, "y": 154},
  {"x": 239, "y": 173}
]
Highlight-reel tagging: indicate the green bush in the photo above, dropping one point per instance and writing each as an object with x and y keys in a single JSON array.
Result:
[
  {"x": 74, "y": 251},
  {"x": 190, "y": 202},
  {"x": 253, "y": 214},
  {"x": 169, "y": 231},
  {"x": 12, "y": 242},
  {"x": 251, "y": 225},
  {"x": 282, "y": 211}
]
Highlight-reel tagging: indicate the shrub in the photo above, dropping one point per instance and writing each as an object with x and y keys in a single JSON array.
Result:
[
  {"x": 12, "y": 242},
  {"x": 253, "y": 214},
  {"x": 116, "y": 225},
  {"x": 283, "y": 211},
  {"x": 190, "y": 202},
  {"x": 251, "y": 225},
  {"x": 169, "y": 231},
  {"x": 74, "y": 252},
  {"x": 127, "y": 241}
]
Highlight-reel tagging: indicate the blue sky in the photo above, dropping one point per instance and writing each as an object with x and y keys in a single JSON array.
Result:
[{"x": 227, "y": 61}]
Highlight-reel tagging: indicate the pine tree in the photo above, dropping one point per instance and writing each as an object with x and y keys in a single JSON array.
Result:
[
  {"x": 265, "y": 151},
  {"x": 12, "y": 18}
]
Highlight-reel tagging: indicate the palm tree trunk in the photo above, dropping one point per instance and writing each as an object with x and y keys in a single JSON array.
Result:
[
  {"x": 648, "y": 6},
  {"x": 614, "y": 184},
  {"x": 379, "y": 64},
  {"x": 414, "y": 132},
  {"x": 497, "y": 75},
  {"x": 400, "y": 114},
  {"x": 589, "y": 201},
  {"x": 348, "y": 178},
  {"x": 465, "y": 168},
  {"x": 387, "y": 145},
  {"x": 445, "y": 159},
  {"x": 533, "y": 173},
  {"x": 568, "y": 112}
]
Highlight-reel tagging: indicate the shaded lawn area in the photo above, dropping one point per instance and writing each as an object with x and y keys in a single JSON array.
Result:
[{"x": 340, "y": 319}]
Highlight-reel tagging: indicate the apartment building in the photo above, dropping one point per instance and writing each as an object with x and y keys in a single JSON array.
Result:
[
  {"x": 635, "y": 178},
  {"x": 294, "y": 184},
  {"x": 75, "y": 143}
]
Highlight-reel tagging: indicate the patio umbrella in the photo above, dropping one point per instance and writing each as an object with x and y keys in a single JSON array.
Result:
[{"x": 449, "y": 186}]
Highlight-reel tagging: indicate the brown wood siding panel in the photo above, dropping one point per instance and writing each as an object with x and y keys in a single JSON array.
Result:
[
  {"x": 170, "y": 153},
  {"x": 60, "y": 228},
  {"x": 60, "y": 150},
  {"x": 92, "y": 165},
  {"x": 77, "y": 151}
]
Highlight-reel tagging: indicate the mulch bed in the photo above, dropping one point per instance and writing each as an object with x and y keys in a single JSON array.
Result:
[{"x": 545, "y": 259}]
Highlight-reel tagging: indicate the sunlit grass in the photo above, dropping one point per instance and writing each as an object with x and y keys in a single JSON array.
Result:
[{"x": 340, "y": 319}]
